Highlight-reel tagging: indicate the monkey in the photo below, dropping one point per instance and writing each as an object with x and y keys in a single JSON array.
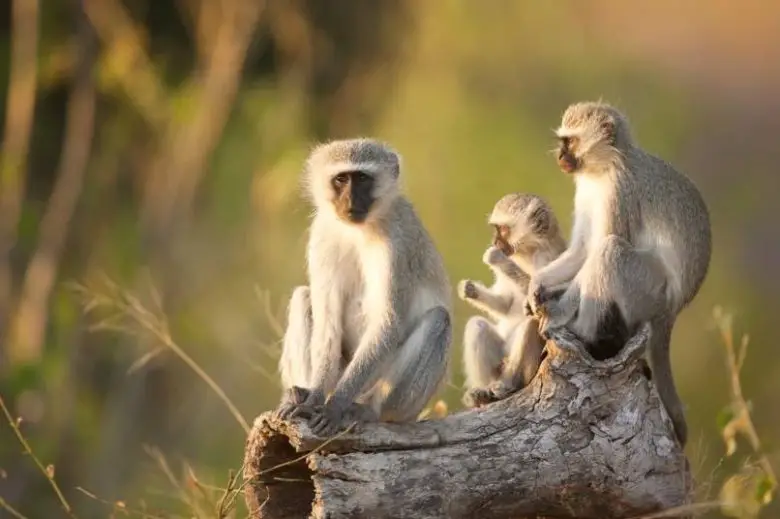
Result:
[
  {"x": 369, "y": 338},
  {"x": 500, "y": 358},
  {"x": 641, "y": 239}
]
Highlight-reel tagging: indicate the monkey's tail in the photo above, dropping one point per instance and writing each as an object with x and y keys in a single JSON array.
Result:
[{"x": 661, "y": 367}]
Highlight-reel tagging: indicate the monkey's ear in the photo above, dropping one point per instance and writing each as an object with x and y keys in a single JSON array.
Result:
[{"x": 608, "y": 128}]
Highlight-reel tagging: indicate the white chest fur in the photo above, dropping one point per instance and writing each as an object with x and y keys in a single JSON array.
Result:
[{"x": 590, "y": 209}]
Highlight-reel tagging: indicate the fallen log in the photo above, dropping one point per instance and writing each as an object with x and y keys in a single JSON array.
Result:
[{"x": 586, "y": 439}]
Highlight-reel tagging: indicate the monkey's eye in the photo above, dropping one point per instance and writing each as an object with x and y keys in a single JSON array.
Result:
[
  {"x": 361, "y": 176},
  {"x": 340, "y": 179}
]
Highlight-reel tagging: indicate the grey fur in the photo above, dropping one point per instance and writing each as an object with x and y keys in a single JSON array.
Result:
[
  {"x": 641, "y": 238},
  {"x": 380, "y": 302}
]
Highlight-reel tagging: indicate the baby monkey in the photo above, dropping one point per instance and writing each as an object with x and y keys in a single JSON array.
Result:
[{"x": 503, "y": 357}]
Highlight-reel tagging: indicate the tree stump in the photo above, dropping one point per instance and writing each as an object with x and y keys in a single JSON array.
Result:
[{"x": 586, "y": 439}]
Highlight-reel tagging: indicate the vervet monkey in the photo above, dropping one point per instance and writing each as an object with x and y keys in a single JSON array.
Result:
[
  {"x": 499, "y": 359},
  {"x": 641, "y": 239},
  {"x": 369, "y": 339}
]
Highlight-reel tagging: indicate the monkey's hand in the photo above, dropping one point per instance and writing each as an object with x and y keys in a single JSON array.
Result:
[
  {"x": 494, "y": 256},
  {"x": 557, "y": 312},
  {"x": 298, "y": 401},
  {"x": 291, "y": 399},
  {"x": 467, "y": 289},
  {"x": 334, "y": 415}
]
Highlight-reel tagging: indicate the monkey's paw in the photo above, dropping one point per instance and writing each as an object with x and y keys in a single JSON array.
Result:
[
  {"x": 334, "y": 416},
  {"x": 478, "y": 397},
  {"x": 501, "y": 390},
  {"x": 467, "y": 289},
  {"x": 493, "y": 256},
  {"x": 538, "y": 296},
  {"x": 292, "y": 399}
]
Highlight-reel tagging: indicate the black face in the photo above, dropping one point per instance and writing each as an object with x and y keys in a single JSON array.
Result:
[
  {"x": 501, "y": 239},
  {"x": 353, "y": 195},
  {"x": 567, "y": 161}
]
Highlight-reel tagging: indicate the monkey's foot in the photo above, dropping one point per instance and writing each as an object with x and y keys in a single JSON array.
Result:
[
  {"x": 329, "y": 419},
  {"x": 478, "y": 397},
  {"x": 297, "y": 401},
  {"x": 360, "y": 413},
  {"x": 501, "y": 389}
]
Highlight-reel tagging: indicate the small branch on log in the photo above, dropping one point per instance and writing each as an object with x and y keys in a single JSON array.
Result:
[{"x": 586, "y": 439}]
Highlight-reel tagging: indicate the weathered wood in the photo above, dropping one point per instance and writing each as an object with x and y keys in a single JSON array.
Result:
[{"x": 585, "y": 439}]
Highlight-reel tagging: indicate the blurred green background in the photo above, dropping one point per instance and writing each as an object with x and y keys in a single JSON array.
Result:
[{"x": 158, "y": 143}]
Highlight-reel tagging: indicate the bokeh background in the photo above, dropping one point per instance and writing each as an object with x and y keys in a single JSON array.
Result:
[{"x": 158, "y": 144}]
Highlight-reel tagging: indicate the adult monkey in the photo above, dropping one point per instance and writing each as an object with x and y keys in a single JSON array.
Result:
[
  {"x": 373, "y": 328},
  {"x": 641, "y": 239}
]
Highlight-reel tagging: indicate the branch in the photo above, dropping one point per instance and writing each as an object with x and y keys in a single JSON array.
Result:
[{"x": 585, "y": 439}]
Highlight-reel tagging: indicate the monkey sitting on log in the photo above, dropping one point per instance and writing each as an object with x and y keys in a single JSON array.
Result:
[
  {"x": 369, "y": 338},
  {"x": 501, "y": 357},
  {"x": 641, "y": 240}
]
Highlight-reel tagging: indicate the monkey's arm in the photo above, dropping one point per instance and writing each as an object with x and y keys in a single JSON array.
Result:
[
  {"x": 562, "y": 269},
  {"x": 378, "y": 344},
  {"x": 483, "y": 299},
  {"x": 503, "y": 266}
]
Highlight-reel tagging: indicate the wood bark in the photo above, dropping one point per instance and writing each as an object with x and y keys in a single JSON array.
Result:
[{"x": 586, "y": 439}]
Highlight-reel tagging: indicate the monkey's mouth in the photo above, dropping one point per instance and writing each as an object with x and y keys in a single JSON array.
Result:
[
  {"x": 357, "y": 216},
  {"x": 568, "y": 163}
]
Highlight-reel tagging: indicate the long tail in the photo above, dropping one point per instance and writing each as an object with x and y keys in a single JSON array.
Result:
[{"x": 661, "y": 367}]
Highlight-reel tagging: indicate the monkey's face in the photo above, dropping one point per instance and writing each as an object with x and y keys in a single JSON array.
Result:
[
  {"x": 502, "y": 238},
  {"x": 522, "y": 229},
  {"x": 587, "y": 139},
  {"x": 353, "y": 195},
  {"x": 567, "y": 154}
]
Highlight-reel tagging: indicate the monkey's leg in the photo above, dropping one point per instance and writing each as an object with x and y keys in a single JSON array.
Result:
[
  {"x": 483, "y": 353},
  {"x": 417, "y": 371},
  {"x": 295, "y": 364},
  {"x": 635, "y": 280},
  {"x": 522, "y": 363}
]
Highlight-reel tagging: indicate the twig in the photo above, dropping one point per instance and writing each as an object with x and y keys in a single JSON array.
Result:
[
  {"x": 740, "y": 405},
  {"x": 11, "y": 510},
  {"x": 119, "y": 505},
  {"x": 273, "y": 320},
  {"x": 159, "y": 458},
  {"x": 47, "y": 473},
  {"x": 129, "y": 306}
]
